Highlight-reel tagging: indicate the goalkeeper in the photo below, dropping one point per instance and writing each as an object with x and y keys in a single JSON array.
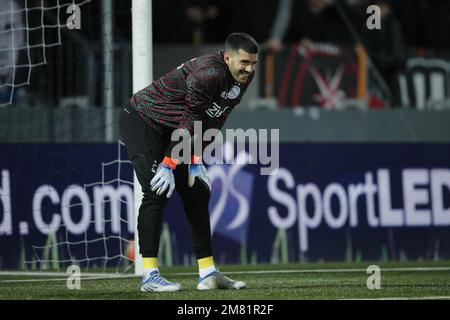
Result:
[{"x": 203, "y": 89}]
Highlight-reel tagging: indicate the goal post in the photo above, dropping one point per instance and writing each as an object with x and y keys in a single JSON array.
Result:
[{"x": 142, "y": 77}]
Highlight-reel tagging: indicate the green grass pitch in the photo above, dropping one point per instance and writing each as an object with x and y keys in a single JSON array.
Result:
[{"x": 416, "y": 280}]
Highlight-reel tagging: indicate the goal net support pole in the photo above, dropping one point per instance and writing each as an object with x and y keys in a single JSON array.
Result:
[
  {"x": 108, "y": 67},
  {"x": 142, "y": 77}
]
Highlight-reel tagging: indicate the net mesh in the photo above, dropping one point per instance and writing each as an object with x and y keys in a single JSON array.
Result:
[
  {"x": 25, "y": 35},
  {"x": 96, "y": 227},
  {"x": 66, "y": 189}
]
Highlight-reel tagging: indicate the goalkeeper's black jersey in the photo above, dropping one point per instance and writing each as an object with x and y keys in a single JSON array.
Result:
[{"x": 201, "y": 89}]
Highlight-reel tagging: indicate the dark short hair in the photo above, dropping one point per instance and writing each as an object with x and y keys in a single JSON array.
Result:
[{"x": 236, "y": 41}]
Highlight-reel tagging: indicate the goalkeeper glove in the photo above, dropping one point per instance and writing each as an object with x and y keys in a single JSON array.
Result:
[
  {"x": 164, "y": 178},
  {"x": 198, "y": 170}
]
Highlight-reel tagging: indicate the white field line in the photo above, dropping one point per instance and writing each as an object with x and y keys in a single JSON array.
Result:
[
  {"x": 103, "y": 276},
  {"x": 85, "y": 278},
  {"x": 412, "y": 269},
  {"x": 56, "y": 274},
  {"x": 405, "y": 298}
]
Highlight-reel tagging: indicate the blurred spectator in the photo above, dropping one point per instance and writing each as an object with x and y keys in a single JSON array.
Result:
[
  {"x": 254, "y": 17},
  {"x": 385, "y": 46},
  {"x": 12, "y": 40},
  {"x": 307, "y": 21},
  {"x": 425, "y": 23},
  {"x": 208, "y": 20},
  {"x": 169, "y": 24},
  {"x": 275, "y": 43},
  {"x": 192, "y": 21}
]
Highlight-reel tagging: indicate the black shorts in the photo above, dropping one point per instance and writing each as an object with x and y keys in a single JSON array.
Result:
[{"x": 146, "y": 148}]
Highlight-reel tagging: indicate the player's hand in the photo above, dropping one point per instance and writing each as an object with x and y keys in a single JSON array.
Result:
[
  {"x": 275, "y": 45},
  {"x": 163, "y": 180},
  {"x": 198, "y": 171}
]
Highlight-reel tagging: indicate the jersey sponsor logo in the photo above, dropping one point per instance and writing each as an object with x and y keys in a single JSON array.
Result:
[{"x": 216, "y": 111}]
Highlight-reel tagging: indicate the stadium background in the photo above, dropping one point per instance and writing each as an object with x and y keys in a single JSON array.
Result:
[{"x": 364, "y": 152}]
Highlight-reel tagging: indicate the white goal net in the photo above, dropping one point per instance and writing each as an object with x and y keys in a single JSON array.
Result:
[
  {"x": 25, "y": 35},
  {"x": 66, "y": 191}
]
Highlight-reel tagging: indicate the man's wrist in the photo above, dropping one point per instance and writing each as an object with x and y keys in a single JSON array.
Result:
[{"x": 170, "y": 163}]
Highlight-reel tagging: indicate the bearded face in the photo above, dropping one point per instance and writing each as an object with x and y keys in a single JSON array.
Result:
[{"x": 241, "y": 64}]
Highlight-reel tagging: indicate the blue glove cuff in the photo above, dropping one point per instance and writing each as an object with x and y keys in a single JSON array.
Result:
[{"x": 165, "y": 166}]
